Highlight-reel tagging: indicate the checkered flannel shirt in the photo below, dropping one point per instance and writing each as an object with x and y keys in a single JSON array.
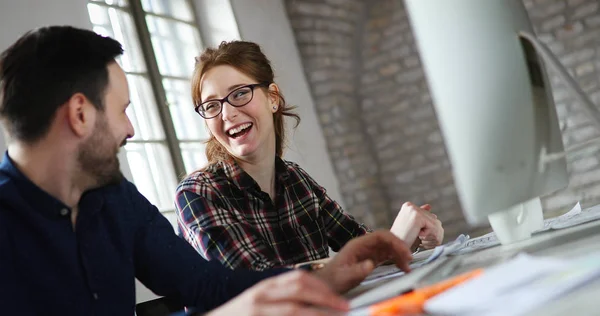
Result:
[{"x": 223, "y": 213}]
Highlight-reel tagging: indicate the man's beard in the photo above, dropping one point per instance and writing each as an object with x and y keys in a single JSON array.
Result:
[{"x": 98, "y": 156}]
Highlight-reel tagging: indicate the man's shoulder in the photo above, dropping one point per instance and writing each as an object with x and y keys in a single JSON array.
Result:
[
  {"x": 122, "y": 191},
  {"x": 120, "y": 187},
  {"x": 9, "y": 198},
  {"x": 5, "y": 178},
  {"x": 8, "y": 189},
  {"x": 122, "y": 200}
]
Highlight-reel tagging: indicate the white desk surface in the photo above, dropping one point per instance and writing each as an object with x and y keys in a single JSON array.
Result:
[{"x": 565, "y": 243}]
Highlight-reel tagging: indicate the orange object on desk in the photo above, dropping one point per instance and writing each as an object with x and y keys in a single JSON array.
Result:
[{"x": 413, "y": 302}]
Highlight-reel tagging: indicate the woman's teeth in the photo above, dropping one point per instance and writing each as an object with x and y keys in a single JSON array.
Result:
[{"x": 237, "y": 130}]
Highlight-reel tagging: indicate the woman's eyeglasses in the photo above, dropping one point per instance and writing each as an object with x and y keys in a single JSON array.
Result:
[{"x": 238, "y": 98}]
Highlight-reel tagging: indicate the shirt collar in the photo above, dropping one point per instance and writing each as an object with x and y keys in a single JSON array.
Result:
[
  {"x": 281, "y": 169},
  {"x": 39, "y": 199},
  {"x": 244, "y": 181}
]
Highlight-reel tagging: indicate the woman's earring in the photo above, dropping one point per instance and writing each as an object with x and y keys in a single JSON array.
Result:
[{"x": 274, "y": 108}]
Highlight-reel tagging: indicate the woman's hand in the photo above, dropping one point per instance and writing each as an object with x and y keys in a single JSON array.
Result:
[{"x": 414, "y": 222}]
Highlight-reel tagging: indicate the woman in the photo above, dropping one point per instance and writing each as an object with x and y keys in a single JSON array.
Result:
[{"x": 249, "y": 208}]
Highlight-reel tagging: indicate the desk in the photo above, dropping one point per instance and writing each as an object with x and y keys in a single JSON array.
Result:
[{"x": 566, "y": 243}]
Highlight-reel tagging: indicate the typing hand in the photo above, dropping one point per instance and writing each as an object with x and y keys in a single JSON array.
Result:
[
  {"x": 357, "y": 259},
  {"x": 414, "y": 222},
  {"x": 292, "y": 293}
]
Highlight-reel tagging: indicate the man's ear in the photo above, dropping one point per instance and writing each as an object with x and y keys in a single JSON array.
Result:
[{"x": 81, "y": 115}]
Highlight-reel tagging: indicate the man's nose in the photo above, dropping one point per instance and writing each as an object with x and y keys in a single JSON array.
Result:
[{"x": 130, "y": 129}]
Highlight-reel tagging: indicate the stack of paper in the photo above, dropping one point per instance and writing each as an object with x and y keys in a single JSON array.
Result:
[{"x": 526, "y": 282}]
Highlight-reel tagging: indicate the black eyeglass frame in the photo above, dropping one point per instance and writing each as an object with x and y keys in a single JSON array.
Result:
[{"x": 226, "y": 98}]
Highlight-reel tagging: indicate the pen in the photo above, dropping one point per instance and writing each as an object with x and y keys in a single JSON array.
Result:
[{"x": 414, "y": 301}]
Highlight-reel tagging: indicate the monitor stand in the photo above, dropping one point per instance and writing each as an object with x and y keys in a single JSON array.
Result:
[{"x": 518, "y": 222}]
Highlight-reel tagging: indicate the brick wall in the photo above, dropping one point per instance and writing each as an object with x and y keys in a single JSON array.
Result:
[
  {"x": 328, "y": 35},
  {"x": 373, "y": 103},
  {"x": 401, "y": 118}
]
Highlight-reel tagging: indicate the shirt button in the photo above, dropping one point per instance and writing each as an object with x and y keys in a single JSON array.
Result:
[
  {"x": 95, "y": 295},
  {"x": 64, "y": 212}
]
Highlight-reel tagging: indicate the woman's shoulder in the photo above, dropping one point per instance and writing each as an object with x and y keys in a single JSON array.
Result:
[
  {"x": 295, "y": 168},
  {"x": 290, "y": 166},
  {"x": 205, "y": 177}
]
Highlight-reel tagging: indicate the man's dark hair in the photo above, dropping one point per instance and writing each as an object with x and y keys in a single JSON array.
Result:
[{"x": 44, "y": 68}]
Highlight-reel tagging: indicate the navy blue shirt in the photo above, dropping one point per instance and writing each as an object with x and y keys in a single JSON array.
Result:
[{"x": 47, "y": 267}]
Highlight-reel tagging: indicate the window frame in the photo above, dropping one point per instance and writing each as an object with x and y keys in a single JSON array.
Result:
[
  {"x": 155, "y": 78},
  {"x": 139, "y": 18}
]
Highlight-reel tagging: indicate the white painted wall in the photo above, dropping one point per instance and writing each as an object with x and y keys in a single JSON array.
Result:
[
  {"x": 266, "y": 23},
  {"x": 216, "y": 21},
  {"x": 20, "y": 16}
]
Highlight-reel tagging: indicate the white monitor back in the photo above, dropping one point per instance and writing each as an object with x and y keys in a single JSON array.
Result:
[{"x": 493, "y": 100}]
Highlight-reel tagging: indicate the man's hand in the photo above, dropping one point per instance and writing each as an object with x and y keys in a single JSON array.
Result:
[
  {"x": 292, "y": 293},
  {"x": 413, "y": 222},
  {"x": 314, "y": 294},
  {"x": 357, "y": 259}
]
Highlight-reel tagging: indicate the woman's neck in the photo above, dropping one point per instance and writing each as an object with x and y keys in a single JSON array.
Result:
[{"x": 263, "y": 172}]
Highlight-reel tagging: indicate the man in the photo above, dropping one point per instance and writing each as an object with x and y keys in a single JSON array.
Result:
[{"x": 74, "y": 233}]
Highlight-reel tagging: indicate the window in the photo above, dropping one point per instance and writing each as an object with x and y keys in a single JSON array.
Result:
[{"x": 160, "y": 39}]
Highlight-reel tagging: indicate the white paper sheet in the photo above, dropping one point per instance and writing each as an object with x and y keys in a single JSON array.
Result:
[
  {"x": 486, "y": 241},
  {"x": 553, "y": 223},
  {"x": 587, "y": 215},
  {"x": 525, "y": 281}
]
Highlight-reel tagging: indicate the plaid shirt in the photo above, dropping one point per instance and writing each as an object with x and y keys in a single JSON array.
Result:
[{"x": 223, "y": 213}]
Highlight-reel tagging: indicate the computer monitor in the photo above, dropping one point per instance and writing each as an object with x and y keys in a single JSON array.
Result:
[{"x": 493, "y": 99}]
